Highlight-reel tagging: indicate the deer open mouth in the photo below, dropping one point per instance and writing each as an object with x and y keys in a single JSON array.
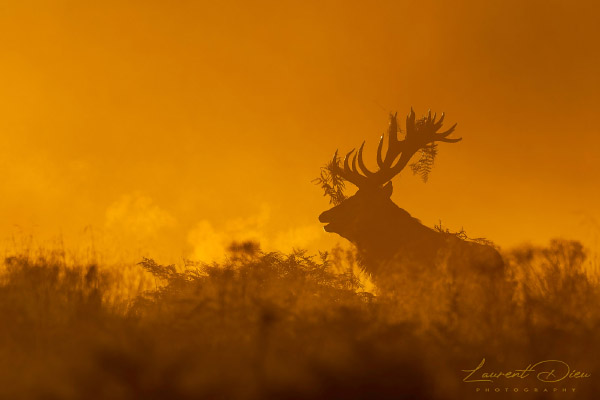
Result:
[
  {"x": 324, "y": 218},
  {"x": 329, "y": 226}
]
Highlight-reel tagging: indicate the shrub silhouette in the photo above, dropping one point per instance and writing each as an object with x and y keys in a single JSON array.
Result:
[{"x": 266, "y": 325}]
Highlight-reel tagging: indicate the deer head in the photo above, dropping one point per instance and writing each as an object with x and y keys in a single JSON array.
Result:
[{"x": 370, "y": 209}]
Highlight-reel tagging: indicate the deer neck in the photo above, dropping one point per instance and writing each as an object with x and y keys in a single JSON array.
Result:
[{"x": 395, "y": 234}]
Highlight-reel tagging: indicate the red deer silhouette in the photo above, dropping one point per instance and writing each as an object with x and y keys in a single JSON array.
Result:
[{"x": 389, "y": 239}]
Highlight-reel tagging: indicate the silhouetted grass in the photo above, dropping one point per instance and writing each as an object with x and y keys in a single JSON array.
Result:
[{"x": 290, "y": 326}]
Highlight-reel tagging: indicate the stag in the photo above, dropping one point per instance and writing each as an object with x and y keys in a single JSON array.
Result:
[{"x": 388, "y": 238}]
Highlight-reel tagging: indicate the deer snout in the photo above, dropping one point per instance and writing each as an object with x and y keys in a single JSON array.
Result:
[{"x": 324, "y": 217}]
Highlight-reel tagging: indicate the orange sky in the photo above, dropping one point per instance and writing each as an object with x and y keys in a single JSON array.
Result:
[{"x": 173, "y": 126}]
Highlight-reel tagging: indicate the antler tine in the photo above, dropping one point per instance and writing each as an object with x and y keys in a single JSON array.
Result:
[
  {"x": 439, "y": 123},
  {"x": 393, "y": 129},
  {"x": 446, "y": 140},
  {"x": 443, "y": 136},
  {"x": 448, "y": 132},
  {"x": 410, "y": 123},
  {"x": 379, "y": 149},
  {"x": 346, "y": 166},
  {"x": 361, "y": 163},
  {"x": 391, "y": 153},
  {"x": 351, "y": 175}
]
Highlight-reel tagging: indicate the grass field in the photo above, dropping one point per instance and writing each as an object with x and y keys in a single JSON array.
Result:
[{"x": 288, "y": 326}]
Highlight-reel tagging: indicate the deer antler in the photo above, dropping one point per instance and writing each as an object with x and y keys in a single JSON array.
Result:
[{"x": 419, "y": 133}]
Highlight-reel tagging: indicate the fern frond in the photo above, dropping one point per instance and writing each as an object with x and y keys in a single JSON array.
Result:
[{"x": 424, "y": 165}]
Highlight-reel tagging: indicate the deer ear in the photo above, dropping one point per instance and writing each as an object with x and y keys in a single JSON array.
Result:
[{"x": 388, "y": 189}]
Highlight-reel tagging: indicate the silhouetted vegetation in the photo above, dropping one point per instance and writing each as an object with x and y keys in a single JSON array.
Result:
[
  {"x": 332, "y": 183},
  {"x": 269, "y": 325},
  {"x": 462, "y": 235},
  {"x": 424, "y": 164}
]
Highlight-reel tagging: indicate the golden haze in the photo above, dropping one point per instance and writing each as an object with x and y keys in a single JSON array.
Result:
[{"x": 168, "y": 127}]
